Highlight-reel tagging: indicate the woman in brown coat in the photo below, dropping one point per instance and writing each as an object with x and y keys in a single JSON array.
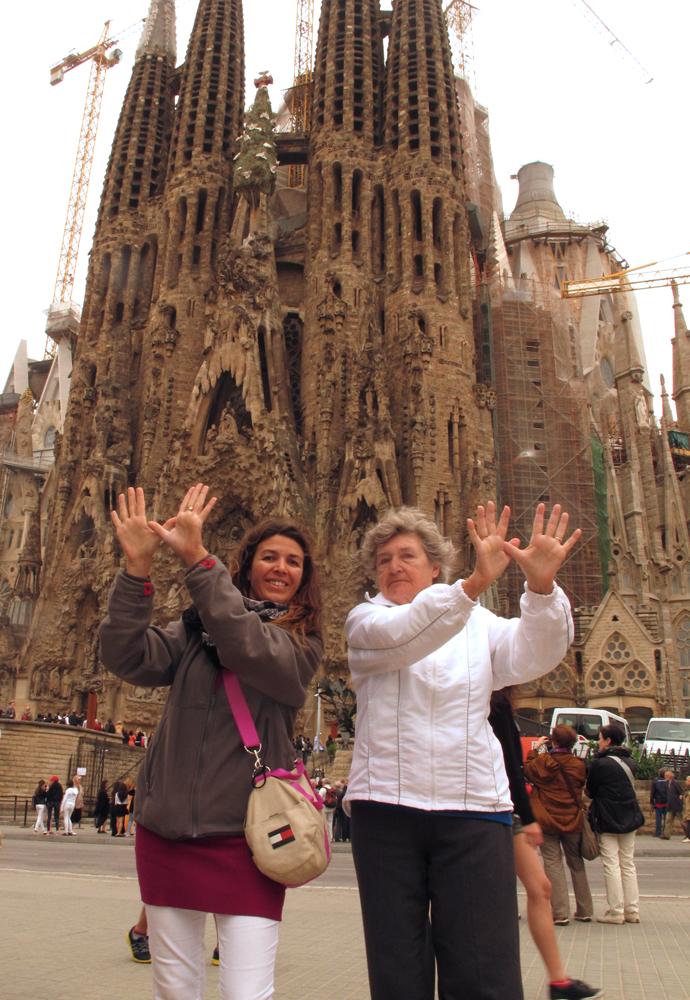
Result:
[{"x": 553, "y": 775}]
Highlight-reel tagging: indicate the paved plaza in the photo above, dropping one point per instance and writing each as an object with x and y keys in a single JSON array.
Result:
[{"x": 66, "y": 907}]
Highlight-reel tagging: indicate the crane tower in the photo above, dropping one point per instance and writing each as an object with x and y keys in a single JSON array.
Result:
[
  {"x": 62, "y": 315},
  {"x": 303, "y": 80}
]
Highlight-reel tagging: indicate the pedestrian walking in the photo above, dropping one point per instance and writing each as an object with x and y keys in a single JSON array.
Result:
[
  {"x": 431, "y": 810},
  {"x": 329, "y": 802},
  {"x": 53, "y": 801},
  {"x": 527, "y": 837},
  {"x": 263, "y": 621},
  {"x": 557, "y": 779},
  {"x": 79, "y": 802},
  {"x": 686, "y": 811},
  {"x": 40, "y": 796},
  {"x": 132, "y": 789},
  {"x": 674, "y": 808},
  {"x": 615, "y": 816},
  {"x": 102, "y": 808},
  {"x": 658, "y": 800},
  {"x": 121, "y": 801},
  {"x": 67, "y": 807}
]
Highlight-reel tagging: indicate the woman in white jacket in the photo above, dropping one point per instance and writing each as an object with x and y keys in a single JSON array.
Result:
[
  {"x": 67, "y": 807},
  {"x": 431, "y": 808}
]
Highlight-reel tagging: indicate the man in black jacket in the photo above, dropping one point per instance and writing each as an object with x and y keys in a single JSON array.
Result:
[
  {"x": 615, "y": 816},
  {"x": 53, "y": 800},
  {"x": 658, "y": 800},
  {"x": 675, "y": 804}
]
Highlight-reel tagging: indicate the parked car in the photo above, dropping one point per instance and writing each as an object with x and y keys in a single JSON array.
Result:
[
  {"x": 587, "y": 722},
  {"x": 667, "y": 736}
]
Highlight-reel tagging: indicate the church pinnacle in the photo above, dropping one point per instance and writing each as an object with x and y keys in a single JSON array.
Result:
[{"x": 159, "y": 33}]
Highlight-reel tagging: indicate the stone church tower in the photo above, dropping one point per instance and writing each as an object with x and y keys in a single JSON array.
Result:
[{"x": 321, "y": 366}]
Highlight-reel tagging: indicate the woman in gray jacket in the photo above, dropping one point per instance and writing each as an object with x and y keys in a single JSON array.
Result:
[{"x": 263, "y": 623}]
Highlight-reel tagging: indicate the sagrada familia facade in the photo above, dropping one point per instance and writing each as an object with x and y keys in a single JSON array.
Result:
[{"x": 382, "y": 335}]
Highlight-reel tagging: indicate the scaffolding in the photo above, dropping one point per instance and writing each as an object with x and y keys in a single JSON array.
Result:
[{"x": 543, "y": 431}]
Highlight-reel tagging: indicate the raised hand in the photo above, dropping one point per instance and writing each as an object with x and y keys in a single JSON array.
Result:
[
  {"x": 489, "y": 540},
  {"x": 138, "y": 541},
  {"x": 547, "y": 550},
  {"x": 183, "y": 533}
]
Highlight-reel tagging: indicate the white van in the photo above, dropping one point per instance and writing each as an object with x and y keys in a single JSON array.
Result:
[
  {"x": 667, "y": 736},
  {"x": 587, "y": 722}
]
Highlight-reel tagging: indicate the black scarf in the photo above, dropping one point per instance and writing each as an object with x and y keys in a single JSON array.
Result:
[{"x": 267, "y": 611}]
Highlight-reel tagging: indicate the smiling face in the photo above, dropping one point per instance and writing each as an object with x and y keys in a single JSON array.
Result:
[
  {"x": 404, "y": 569},
  {"x": 277, "y": 569}
]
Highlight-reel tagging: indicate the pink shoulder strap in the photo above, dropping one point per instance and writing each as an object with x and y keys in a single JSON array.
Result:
[{"x": 240, "y": 709}]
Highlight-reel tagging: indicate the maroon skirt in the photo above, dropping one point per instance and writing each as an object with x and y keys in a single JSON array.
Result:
[{"x": 210, "y": 874}]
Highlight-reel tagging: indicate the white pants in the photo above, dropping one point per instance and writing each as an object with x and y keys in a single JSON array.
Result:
[
  {"x": 67, "y": 813},
  {"x": 247, "y": 947},
  {"x": 40, "y": 813},
  {"x": 620, "y": 876},
  {"x": 329, "y": 822}
]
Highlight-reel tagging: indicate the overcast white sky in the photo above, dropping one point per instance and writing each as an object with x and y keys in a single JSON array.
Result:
[{"x": 555, "y": 90}]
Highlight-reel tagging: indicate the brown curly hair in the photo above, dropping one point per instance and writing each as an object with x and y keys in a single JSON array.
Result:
[{"x": 304, "y": 615}]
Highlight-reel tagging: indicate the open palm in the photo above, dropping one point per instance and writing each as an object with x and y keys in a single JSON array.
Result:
[
  {"x": 138, "y": 541},
  {"x": 183, "y": 533},
  {"x": 489, "y": 541},
  {"x": 547, "y": 550}
]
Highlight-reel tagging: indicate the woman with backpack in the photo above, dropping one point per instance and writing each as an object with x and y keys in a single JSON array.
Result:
[{"x": 262, "y": 621}]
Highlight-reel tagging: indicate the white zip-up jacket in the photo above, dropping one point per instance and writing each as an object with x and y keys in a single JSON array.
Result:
[{"x": 424, "y": 673}]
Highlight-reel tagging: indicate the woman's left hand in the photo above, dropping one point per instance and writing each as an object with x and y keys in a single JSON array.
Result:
[
  {"x": 184, "y": 534},
  {"x": 547, "y": 550}
]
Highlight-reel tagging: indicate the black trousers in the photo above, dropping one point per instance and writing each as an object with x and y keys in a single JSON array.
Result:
[{"x": 437, "y": 891}]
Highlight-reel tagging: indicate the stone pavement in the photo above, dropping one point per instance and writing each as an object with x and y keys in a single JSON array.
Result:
[{"x": 66, "y": 908}]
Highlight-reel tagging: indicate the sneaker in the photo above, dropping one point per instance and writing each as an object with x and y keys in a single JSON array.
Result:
[
  {"x": 632, "y": 919},
  {"x": 216, "y": 957},
  {"x": 562, "y": 921},
  {"x": 608, "y": 918},
  {"x": 583, "y": 920},
  {"x": 686, "y": 840},
  {"x": 139, "y": 944},
  {"x": 575, "y": 990}
]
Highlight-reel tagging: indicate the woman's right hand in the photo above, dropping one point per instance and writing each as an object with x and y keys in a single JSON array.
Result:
[
  {"x": 488, "y": 539},
  {"x": 138, "y": 541}
]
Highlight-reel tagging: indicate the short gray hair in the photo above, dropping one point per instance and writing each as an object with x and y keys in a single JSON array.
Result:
[{"x": 408, "y": 521}]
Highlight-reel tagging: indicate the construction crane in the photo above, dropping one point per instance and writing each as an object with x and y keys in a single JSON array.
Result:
[
  {"x": 631, "y": 280},
  {"x": 102, "y": 59},
  {"x": 459, "y": 15},
  {"x": 302, "y": 87},
  {"x": 591, "y": 15}
]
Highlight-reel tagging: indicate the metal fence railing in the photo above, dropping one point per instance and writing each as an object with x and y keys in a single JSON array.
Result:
[{"x": 16, "y": 809}]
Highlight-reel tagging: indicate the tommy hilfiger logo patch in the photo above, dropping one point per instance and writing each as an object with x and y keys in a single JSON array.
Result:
[{"x": 281, "y": 837}]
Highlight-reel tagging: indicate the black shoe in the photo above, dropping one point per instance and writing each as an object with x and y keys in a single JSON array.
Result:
[
  {"x": 216, "y": 957},
  {"x": 139, "y": 943},
  {"x": 576, "y": 990}
]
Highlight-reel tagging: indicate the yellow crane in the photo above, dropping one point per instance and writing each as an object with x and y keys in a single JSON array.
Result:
[
  {"x": 102, "y": 59},
  {"x": 303, "y": 82},
  {"x": 631, "y": 280}
]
